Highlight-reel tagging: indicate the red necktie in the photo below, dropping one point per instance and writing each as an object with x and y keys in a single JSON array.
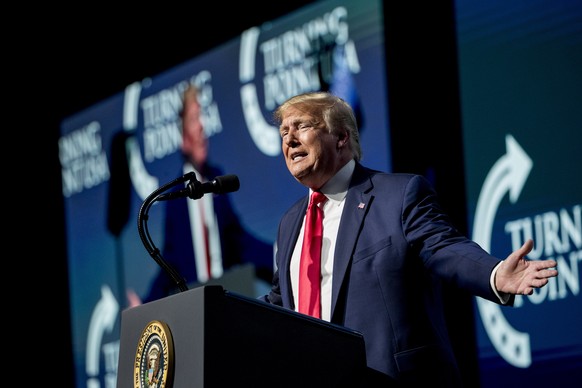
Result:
[
  {"x": 310, "y": 265},
  {"x": 206, "y": 240}
]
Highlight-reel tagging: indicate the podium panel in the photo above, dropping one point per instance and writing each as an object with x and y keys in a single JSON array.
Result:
[{"x": 222, "y": 339}]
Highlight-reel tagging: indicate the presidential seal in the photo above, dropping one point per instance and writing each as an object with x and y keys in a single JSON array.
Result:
[{"x": 154, "y": 357}]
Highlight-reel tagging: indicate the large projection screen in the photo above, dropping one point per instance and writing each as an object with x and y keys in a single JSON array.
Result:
[
  {"x": 520, "y": 69},
  {"x": 329, "y": 44}
]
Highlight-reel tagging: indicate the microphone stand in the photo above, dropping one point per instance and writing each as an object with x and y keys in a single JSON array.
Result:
[{"x": 144, "y": 233}]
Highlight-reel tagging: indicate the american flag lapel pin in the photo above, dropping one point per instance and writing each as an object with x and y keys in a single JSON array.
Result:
[{"x": 361, "y": 205}]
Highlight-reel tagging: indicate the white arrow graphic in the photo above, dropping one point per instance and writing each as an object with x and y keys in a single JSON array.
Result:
[
  {"x": 508, "y": 174},
  {"x": 103, "y": 319}
]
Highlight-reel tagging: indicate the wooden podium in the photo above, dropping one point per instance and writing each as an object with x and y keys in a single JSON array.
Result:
[{"x": 217, "y": 338}]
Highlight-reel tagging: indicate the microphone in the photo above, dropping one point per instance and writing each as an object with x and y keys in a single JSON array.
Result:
[{"x": 195, "y": 189}]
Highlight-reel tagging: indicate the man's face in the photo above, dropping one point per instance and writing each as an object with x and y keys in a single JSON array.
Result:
[
  {"x": 310, "y": 151},
  {"x": 194, "y": 142}
]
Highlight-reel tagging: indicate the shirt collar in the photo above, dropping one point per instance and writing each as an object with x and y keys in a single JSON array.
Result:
[{"x": 337, "y": 187}]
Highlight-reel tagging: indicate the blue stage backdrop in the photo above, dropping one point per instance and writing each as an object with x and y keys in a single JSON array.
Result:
[
  {"x": 521, "y": 98},
  {"x": 330, "y": 44}
]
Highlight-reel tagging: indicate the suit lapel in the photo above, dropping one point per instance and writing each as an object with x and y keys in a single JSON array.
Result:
[
  {"x": 291, "y": 227},
  {"x": 356, "y": 207}
]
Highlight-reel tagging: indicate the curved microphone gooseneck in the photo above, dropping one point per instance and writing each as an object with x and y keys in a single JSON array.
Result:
[
  {"x": 194, "y": 190},
  {"x": 145, "y": 236}
]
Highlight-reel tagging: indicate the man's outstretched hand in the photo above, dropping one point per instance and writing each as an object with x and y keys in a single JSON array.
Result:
[{"x": 519, "y": 275}]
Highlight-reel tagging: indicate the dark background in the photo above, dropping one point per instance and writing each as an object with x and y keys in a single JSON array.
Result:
[{"x": 95, "y": 53}]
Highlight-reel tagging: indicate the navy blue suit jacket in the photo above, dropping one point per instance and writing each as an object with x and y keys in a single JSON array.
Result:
[{"x": 391, "y": 255}]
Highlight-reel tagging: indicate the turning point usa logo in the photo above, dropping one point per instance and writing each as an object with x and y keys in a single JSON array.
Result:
[{"x": 557, "y": 234}]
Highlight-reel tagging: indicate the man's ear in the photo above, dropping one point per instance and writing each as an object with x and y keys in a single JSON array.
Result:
[{"x": 342, "y": 139}]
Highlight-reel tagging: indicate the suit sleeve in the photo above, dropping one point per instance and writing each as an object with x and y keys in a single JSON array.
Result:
[{"x": 443, "y": 249}]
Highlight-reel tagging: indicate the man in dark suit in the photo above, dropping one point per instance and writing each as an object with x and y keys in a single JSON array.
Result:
[{"x": 387, "y": 246}]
